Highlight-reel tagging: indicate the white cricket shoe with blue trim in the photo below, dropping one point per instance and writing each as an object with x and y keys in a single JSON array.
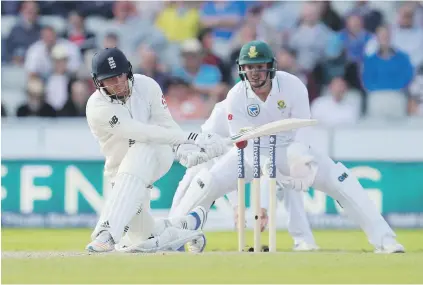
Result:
[
  {"x": 198, "y": 244},
  {"x": 102, "y": 243}
]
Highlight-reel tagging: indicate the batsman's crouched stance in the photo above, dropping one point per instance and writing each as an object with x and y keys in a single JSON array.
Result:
[
  {"x": 153, "y": 162},
  {"x": 265, "y": 95},
  {"x": 137, "y": 135}
]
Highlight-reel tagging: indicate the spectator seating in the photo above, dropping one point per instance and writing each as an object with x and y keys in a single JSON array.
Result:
[
  {"x": 7, "y": 23},
  {"x": 57, "y": 22}
]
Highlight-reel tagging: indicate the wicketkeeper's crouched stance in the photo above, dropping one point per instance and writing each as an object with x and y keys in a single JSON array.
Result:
[
  {"x": 129, "y": 118},
  {"x": 298, "y": 225},
  {"x": 265, "y": 95}
]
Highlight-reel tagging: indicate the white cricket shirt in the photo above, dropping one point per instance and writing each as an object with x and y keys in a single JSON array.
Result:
[
  {"x": 287, "y": 99},
  {"x": 218, "y": 121},
  {"x": 143, "y": 118}
]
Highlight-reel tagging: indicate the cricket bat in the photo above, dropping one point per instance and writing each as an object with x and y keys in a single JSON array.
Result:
[{"x": 271, "y": 128}]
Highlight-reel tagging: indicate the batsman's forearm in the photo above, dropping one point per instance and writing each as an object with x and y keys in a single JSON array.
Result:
[{"x": 132, "y": 129}]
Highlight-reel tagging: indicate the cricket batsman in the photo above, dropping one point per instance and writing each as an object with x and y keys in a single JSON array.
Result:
[
  {"x": 128, "y": 116},
  {"x": 265, "y": 95},
  {"x": 298, "y": 225}
]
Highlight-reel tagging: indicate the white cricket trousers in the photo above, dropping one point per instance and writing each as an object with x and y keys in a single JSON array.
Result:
[
  {"x": 332, "y": 178},
  {"x": 128, "y": 203}
]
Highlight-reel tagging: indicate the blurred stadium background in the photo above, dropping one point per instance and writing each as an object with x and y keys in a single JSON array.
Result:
[{"x": 362, "y": 62}]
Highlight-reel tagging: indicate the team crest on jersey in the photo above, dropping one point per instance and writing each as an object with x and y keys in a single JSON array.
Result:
[
  {"x": 112, "y": 62},
  {"x": 281, "y": 104},
  {"x": 253, "y": 110}
]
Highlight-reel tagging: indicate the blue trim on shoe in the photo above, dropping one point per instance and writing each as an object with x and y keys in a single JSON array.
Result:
[
  {"x": 205, "y": 216},
  {"x": 181, "y": 249},
  {"x": 205, "y": 242},
  {"x": 197, "y": 219}
]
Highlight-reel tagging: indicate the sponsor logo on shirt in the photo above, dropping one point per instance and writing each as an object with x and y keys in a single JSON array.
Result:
[
  {"x": 114, "y": 121},
  {"x": 342, "y": 177},
  {"x": 253, "y": 110},
  {"x": 200, "y": 183}
]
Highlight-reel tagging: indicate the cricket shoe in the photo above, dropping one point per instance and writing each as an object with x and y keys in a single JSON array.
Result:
[
  {"x": 102, "y": 243},
  {"x": 170, "y": 240},
  {"x": 303, "y": 246},
  {"x": 198, "y": 244},
  {"x": 390, "y": 248}
]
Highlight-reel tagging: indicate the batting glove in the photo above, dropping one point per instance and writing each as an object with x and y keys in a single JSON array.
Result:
[
  {"x": 190, "y": 155},
  {"x": 212, "y": 144}
]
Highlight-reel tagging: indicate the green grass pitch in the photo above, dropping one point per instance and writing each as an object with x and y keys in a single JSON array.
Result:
[{"x": 56, "y": 257}]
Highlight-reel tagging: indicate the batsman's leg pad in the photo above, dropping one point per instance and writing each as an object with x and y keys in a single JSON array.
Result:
[
  {"x": 185, "y": 183},
  {"x": 207, "y": 186},
  {"x": 142, "y": 165},
  {"x": 201, "y": 192},
  {"x": 142, "y": 225},
  {"x": 125, "y": 200}
]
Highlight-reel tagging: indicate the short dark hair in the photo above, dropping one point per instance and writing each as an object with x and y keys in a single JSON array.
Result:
[
  {"x": 203, "y": 32},
  {"x": 49, "y": 27},
  {"x": 256, "y": 9}
]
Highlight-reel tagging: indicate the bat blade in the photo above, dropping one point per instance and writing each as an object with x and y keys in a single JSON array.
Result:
[{"x": 272, "y": 128}]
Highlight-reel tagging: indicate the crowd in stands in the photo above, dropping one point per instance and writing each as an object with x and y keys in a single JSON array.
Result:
[{"x": 359, "y": 58}]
